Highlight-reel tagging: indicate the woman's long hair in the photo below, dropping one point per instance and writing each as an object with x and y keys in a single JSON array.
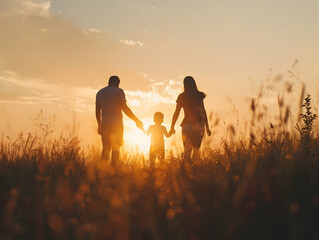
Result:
[
  {"x": 190, "y": 88},
  {"x": 194, "y": 101}
]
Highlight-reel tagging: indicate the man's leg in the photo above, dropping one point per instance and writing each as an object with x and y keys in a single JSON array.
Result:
[
  {"x": 116, "y": 141},
  {"x": 115, "y": 155},
  {"x": 106, "y": 150},
  {"x": 105, "y": 137}
]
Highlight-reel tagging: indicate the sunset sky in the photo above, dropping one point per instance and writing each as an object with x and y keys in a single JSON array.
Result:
[{"x": 55, "y": 55}]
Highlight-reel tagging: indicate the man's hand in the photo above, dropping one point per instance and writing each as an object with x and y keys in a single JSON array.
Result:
[{"x": 139, "y": 124}]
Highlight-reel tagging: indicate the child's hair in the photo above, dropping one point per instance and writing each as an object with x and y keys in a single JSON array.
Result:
[{"x": 158, "y": 117}]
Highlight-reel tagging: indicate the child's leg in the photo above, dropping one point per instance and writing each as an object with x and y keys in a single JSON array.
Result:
[
  {"x": 152, "y": 158},
  {"x": 161, "y": 155}
]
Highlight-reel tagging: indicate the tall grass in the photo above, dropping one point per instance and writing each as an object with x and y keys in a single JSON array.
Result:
[{"x": 264, "y": 186}]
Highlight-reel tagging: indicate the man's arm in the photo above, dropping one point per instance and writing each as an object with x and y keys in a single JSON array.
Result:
[
  {"x": 131, "y": 115},
  {"x": 98, "y": 116}
]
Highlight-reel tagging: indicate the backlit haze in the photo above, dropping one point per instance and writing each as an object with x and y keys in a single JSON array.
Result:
[{"x": 55, "y": 55}]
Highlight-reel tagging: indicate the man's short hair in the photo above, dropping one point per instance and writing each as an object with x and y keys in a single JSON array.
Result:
[{"x": 114, "y": 81}]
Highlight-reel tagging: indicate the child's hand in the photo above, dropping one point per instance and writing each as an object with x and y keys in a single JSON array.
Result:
[{"x": 172, "y": 131}]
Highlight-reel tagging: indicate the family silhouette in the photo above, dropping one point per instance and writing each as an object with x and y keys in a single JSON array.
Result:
[{"x": 111, "y": 101}]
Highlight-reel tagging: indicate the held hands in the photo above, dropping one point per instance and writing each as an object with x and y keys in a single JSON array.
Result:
[
  {"x": 139, "y": 124},
  {"x": 172, "y": 131}
]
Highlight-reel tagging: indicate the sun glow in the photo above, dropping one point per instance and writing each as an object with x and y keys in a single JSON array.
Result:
[{"x": 135, "y": 138}]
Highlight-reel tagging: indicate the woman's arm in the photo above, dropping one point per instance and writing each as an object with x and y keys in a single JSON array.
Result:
[
  {"x": 206, "y": 121},
  {"x": 175, "y": 116}
]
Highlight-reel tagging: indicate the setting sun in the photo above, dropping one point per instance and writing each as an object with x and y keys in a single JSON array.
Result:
[{"x": 136, "y": 138}]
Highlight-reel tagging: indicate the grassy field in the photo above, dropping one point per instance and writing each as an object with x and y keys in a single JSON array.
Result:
[{"x": 265, "y": 186}]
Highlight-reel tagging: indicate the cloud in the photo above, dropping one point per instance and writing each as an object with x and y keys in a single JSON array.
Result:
[
  {"x": 31, "y": 100},
  {"x": 36, "y": 8},
  {"x": 12, "y": 79},
  {"x": 132, "y": 43},
  {"x": 17, "y": 101},
  {"x": 150, "y": 97},
  {"x": 160, "y": 92},
  {"x": 135, "y": 102},
  {"x": 24, "y": 8},
  {"x": 15, "y": 89},
  {"x": 149, "y": 79},
  {"x": 32, "y": 91},
  {"x": 94, "y": 30},
  {"x": 173, "y": 82},
  {"x": 37, "y": 44}
]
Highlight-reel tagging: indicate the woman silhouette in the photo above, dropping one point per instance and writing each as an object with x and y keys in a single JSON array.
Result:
[{"x": 195, "y": 120}]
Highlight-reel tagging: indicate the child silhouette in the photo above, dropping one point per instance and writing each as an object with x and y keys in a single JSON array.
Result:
[{"x": 157, "y": 131}]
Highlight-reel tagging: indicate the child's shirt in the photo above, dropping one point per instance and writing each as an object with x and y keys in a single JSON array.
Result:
[{"x": 157, "y": 136}]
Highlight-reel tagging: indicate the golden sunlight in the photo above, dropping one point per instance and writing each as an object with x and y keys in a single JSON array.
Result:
[{"x": 136, "y": 138}]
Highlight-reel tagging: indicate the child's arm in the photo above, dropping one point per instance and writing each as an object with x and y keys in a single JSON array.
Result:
[{"x": 148, "y": 132}]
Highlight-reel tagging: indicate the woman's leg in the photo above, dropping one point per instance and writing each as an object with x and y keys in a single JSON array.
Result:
[
  {"x": 186, "y": 134},
  {"x": 198, "y": 132},
  {"x": 187, "y": 153},
  {"x": 196, "y": 155}
]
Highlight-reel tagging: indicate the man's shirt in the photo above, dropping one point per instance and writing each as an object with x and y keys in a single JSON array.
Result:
[{"x": 111, "y": 100}]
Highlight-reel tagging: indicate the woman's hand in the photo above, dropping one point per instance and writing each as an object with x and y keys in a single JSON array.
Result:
[
  {"x": 172, "y": 131},
  {"x": 99, "y": 130},
  {"x": 208, "y": 132}
]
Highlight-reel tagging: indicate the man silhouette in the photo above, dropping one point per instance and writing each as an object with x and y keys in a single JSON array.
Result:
[{"x": 110, "y": 102}]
